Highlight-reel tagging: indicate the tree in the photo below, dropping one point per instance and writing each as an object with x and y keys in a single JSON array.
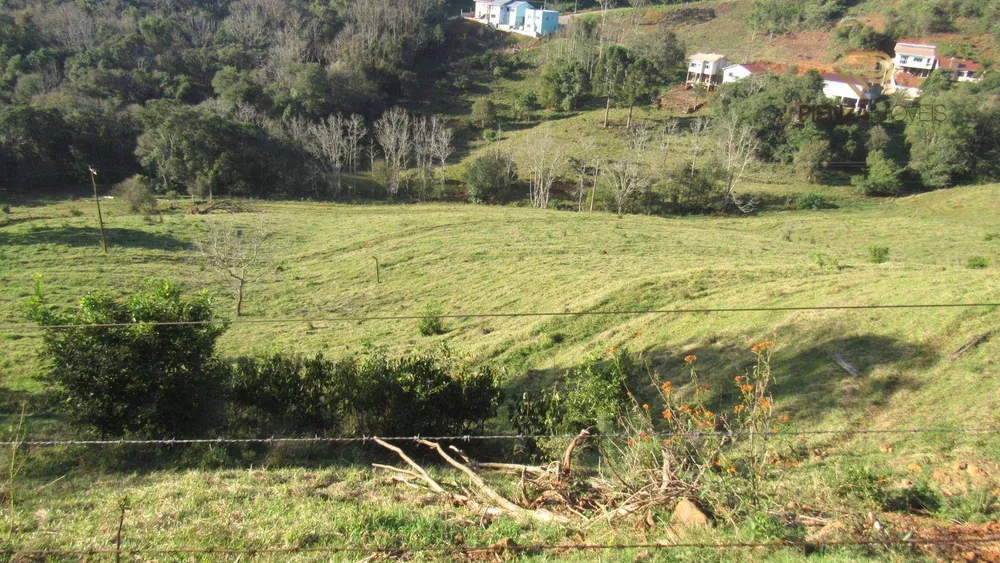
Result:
[
  {"x": 240, "y": 256},
  {"x": 393, "y": 133},
  {"x": 625, "y": 180},
  {"x": 881, "y": 177},
  {"x": 484, "y": 112},
  {"x": 812, "y": 158},
  {"x": 664, "y": 50},
  {"x": 545, "y": 164},
  {"x": 564, "y": 85},
  {"x": 640, "y": 85},
  {"x": 135, "y": 379},
  {"x": 611, "y": 71},
  {"x": 737, "y": 147},
  {"x": 441, "y": 145},
  {"x": 488, "y": 178}
]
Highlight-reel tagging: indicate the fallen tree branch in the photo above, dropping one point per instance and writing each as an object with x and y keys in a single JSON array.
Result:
[
  {"x": 970, "y": 345},
  {"x": 434, "y": 485},
  {"x": 567, "y": 459},
  {"x": 506, "y": 505}
]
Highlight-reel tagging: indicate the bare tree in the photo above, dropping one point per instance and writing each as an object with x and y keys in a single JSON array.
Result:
[
  {"x": 356, "y": 131},
  {"x": 393, "y": 133},
  {"x": 625, "y": 180},
  {"x": 239, "y": 255},
  {"x": 442, "y": 145},
  {"x": 666, "y": 137},
  {"x": 423, "y": 148},
  {"x": 738, "y": 144},
  {"x": 699, "y": 131},
  {"x": 71, "y": 26},
  {"x": 546, "y": 162},
  {"x": 637, "y": 138}
]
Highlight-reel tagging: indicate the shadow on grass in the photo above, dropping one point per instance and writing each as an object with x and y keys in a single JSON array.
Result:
[
  {"x": 91, "y": 236},
  {"x": 808, "y": 384}
]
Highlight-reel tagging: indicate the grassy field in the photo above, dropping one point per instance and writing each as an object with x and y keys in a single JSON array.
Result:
[{"x": 469, "y": 259}]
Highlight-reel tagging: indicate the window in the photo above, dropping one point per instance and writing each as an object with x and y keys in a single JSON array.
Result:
[{"x": 918, "y": 59}]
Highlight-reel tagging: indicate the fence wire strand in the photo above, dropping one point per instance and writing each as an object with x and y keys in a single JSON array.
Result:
[
  {"x": 452, "y": 549},
  {"x": 364, "y": 318},
  {"x": 499, "y": 437}
]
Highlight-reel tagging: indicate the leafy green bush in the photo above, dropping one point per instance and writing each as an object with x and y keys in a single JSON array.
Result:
[
  {"x": 857, "y": 36},
  {"x": 978, "y": 263},
  {"x": 878, "y": 254},
  {"x": 813, "y": 201},
  {"x": 881, "y": 177},
  {"x": 489, "y": 177},
  {"x": 137, "y": 195},
  {"x": 430, "y": 322},
  {"x": 5, "y": 209},
  {"x": 374, "y": 394},
  {"x": 135, "y": 379}
]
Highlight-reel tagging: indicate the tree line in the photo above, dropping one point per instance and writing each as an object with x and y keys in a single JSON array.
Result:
[{"x": 226, "y": 96}]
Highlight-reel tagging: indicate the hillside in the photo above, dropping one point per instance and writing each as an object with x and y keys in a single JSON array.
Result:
[{"x": 473, "y": 259}]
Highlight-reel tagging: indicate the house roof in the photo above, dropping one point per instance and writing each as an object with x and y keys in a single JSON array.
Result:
[
  {"x": 916, "y": 49},
  {"x": 954, "y": 63},
  {"x": 859, "y": 87},
  {"x": 755, "y": 68},
  {"x": 907, "y": 80},
  {"x": 709, "y": 57},
  {"x": 499, "y": 2}
]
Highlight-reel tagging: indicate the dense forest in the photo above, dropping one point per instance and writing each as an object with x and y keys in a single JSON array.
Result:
[
  {"x": 283, "y": 99},
  {"x": 207, "y": 96}
]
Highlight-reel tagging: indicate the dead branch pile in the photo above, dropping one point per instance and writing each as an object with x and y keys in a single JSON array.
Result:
[{"x": 553, "y": 492}]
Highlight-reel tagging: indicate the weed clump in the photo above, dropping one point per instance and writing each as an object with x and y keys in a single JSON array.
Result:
[
  {"x": 977, "y": 263},
  {"x": 878, "y": 254},
  {"x": 430, "y": 323}
]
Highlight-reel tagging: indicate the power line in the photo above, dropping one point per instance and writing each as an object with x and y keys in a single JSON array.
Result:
[
  {"x": 499, "y": 437},
  {"x": 911, "y": 541},
  {"x": 363, "y": 318}
]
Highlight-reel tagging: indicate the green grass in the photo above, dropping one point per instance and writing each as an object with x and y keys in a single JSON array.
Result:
[{"x": 473, "y": 259}]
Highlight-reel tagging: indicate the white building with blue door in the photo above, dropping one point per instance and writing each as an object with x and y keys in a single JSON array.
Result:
[{"x": 516, "y": 16}]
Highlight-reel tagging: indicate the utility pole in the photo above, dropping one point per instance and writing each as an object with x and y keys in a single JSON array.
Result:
[{"x": 100, "y": 218}]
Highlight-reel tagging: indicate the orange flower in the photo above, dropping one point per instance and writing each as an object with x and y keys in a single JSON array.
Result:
[
  {"x": 783, "y": 419},
  {"x": 731, "y": 469},
  {"x": 690, "y": 359},
  {"x": 667, "y": 388},
  {"x": 629, "y": 394},
  {"x": 764, "y": 403},
  {"x": 667, "y": 415},
  {"x": 746, "y": 388},
  {"x": 738, "y": 409},
  {"x": 611, "y": 350},
  {"x": 645, "y": 406},
  {"x": 762, "y": 346},
  {"x": 738, "y": 378}
]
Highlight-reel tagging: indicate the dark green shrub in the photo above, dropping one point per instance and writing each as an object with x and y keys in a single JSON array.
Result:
[
  {"x": 878, "y": 254},
  {"x": 594, "y": 395},
  {"x": 374, "y": 394},
  {"x": 5, "y": 209},
  {"x": 488, "y": 177},
  {"x": 138, "y": 379},
  {"x": 813, "y": 201},
  {"x": 978, "y": 263}
]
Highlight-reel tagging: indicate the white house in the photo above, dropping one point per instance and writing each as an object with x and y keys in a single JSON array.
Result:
[
  {"x": 849, "y": 91},
  {"x": 540, "y": 22},
  {"x": 915, "y": 58},
  {"x": 706, "y": 68},
  {"x": 962, "y": 70},
  {"x": 515, "y": 16},
  {"x": 516, "y": 13},
  {"x": 493, "y": 12},
  {"x": 735, "y": 73}
]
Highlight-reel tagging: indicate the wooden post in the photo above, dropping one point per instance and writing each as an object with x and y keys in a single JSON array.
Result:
[
  {"x": 97, "y": 200},
  {"x": 378, "y": 275}
]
